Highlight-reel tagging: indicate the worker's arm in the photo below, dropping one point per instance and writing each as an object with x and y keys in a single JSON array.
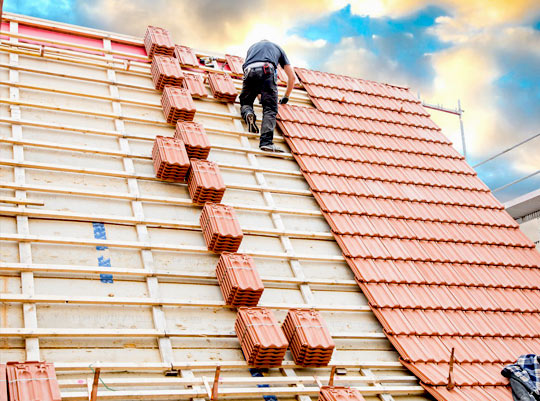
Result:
[{"x": 291, "y": 78}]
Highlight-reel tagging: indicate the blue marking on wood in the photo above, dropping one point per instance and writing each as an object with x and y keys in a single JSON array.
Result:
[
  {"x": 257, "y": 373},
  {"x": 103, "y": 252}
]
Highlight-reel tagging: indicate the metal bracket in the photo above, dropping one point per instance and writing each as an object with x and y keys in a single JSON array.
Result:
[
  {"x": 95, "y": 383},
  {"x": 451, "y": 383},
  {"x": 172, "y": 371},
  {"x": 332, "y": 374},
  {"x": 215, "y": 386}
]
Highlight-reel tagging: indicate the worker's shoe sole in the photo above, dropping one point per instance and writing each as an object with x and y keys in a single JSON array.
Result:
[
  {"x": 250, "y": 121},
  {"x": 271, "y": 148}
]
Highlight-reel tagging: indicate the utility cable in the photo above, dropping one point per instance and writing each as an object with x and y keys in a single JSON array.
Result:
[
  {"x": 100, "y": 379},
  {"x": 515, "y": 182},
  {"x": 506, "y": 150}
]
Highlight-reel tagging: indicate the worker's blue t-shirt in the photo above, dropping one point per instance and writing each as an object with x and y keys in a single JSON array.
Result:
[{"x": 266, "y": 51}]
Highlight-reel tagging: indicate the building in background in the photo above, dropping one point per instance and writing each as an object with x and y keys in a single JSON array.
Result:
[{"x": 526, "y": 210}]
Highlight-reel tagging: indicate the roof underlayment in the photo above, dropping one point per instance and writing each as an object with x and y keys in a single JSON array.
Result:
[{"x": 436, "y": 257}]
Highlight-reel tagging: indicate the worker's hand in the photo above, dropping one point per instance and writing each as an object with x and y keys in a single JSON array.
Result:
[{"x": 284, "y": 100}]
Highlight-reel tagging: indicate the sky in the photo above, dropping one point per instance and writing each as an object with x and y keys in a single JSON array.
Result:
[{"x": 486, "y": 53}]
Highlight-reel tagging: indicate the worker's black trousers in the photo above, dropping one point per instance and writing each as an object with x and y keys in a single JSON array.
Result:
[{"x": 255, "y": 82}]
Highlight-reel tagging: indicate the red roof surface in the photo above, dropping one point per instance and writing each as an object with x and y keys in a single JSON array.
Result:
[{"x": 440, "y": 261}]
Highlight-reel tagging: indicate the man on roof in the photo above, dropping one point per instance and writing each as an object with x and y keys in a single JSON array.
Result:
[{"x": 260, "y": 78}]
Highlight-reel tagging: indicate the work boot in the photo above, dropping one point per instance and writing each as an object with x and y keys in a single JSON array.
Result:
[
  {"x": 250, "y": 121},
  {"x": 271, "y": 148}
]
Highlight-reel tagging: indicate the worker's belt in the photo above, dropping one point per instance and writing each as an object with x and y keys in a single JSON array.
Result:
[{"x": 267, "y": 68}]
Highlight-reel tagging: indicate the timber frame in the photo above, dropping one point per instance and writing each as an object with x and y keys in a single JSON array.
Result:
[{"x": 63, "y": 113}]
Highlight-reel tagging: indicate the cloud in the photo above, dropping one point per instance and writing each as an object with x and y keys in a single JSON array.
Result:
[
  {"x": 206, "y": 24},
  {"x": 396, "y": 50},
  {"x": 478, "y": 13},
  {"x": 493, "y": 72},
  {"x": 484, "y": 52}
]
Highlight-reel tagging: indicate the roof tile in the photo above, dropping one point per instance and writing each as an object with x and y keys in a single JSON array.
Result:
[
  {"x": 186, "y": 56},
  {"x": 439, "y": 260},
  {"x": 465, "y": 374},
  {"x": 235, "y": 64},
  {"x": 222, "y": 86},
  {"x": 487, "y": 393},
  {"x": 158, "y": 41},
  {"x": 195, "y": 85}
]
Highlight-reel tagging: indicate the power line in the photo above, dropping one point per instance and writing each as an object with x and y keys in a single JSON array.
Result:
[
  {"x": 506, "y": 150},
  {"x": 515, "y": 181}
]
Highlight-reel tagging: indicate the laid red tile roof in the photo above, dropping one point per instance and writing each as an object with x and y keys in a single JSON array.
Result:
[{"x": 440, "y": 261}]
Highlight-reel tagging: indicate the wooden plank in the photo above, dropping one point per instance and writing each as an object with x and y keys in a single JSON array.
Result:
[
  {"x": 176, "y": 381},
  {"x": 85, "y": 130},
  {"x": 234, "y": 392},
  {"x": 25, "y": 250},
  {"x": 63, "y": 55},
  {"x": 158, "y": 317},
  {"x": 127, "y": 220},
  {"x": 123, "y": 174},
  {"x": 148, "y": 301},
  {"x": 109, "y": 115},
  {"x": 74, "y": 45},
  {"x": 171, "y": 275},
  {"x": 153, "y": 199},
  {"x": 156, "y": 246},
  {"x": 106, "y": 152},
  {"x": 18, "y": 201},
  {"x": 71, "y": 367},
  {"x": 296, "y": 95}
]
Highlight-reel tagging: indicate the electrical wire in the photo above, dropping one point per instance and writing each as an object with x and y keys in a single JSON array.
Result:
[{"x": 100, "y": 379}]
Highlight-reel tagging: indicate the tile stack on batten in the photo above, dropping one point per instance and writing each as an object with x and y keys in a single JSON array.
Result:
[{"x": 183, "y": 158}]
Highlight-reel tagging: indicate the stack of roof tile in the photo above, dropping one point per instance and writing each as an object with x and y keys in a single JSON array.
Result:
[
  {"x": 186, "y": 56},
  {"x": 32, "y": 381},
  {"x": 238, "y": 279},
  {"x": 170, "y": 158},
  {"x": 205, "y": 183},
  {"x": 335, "y": 393},
  {"x": 220, "y": 227},
  {"x": 158, "y": 41},
  {"x": 308, "y": 337},
  {"x": 222, "y": 86},
  {"x": 177, "y": 104},
  {"x": 166, "y": 71},
  {"x": 195, "y": 85},
  {"x": 194, "y": 137},
  {"x": 235, "y": 64},
  {"x": 262, "y": 340},
  {"x": 440, "y": 261}
]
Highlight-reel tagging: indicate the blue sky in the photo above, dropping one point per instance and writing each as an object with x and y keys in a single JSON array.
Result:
[{"x": 484, "y": 52}]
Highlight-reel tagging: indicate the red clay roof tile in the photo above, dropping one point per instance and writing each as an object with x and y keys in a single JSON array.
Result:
[
  {"x": 32, "y": 381},
  {"x": 186, "y": 56},
  {"x": 235, "y": 64},
  {"x": 177, "y": 104},
  {"x": 439, "y": 260},
  {"x": 166, "y": 71},
  {"x": 222, "y": 86},
  {"x": 335, "y": 393},
  {"x": 195, "y": 85},
  {"x": 158, "y": 41},
  {"x": 467, "y": 393}
]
